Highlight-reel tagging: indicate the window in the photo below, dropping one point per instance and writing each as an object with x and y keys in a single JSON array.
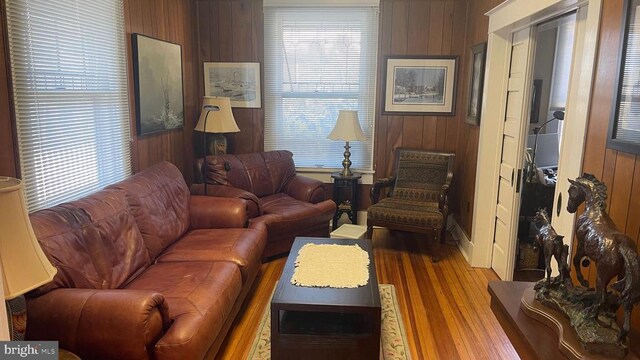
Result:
[
  {"x": 319, "y": 60},
  {"x": 68, "y": 65}
]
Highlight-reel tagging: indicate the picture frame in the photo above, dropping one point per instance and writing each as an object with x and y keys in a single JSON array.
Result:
[
  {"x": 239, "y": 81},
  {"x": 624, "y": 124},
  {"x": 158, "y": 85},
  {"x": 420, "y": 85},
  {"x": 476, "y": 83}
]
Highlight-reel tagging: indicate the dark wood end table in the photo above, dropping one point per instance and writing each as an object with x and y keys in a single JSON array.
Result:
[
  {"x": 325, "y": 323},
  {"x": 346, "y": 196}
]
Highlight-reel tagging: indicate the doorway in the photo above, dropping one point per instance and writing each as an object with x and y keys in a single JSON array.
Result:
[
  {"x": 552, "y": 59},
  {"x": 492, "y": 245}
]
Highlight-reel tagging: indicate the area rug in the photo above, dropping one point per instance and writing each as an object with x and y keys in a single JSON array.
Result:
[
  {"x": 393, "y": 340},
  {"x": 331, "y": 265}
]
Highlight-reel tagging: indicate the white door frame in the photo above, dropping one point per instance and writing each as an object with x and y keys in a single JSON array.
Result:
[{"x": 506, "y": 18}]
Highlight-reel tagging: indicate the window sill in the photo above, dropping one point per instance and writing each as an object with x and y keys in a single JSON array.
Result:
[{"x": 324, "y": 175}]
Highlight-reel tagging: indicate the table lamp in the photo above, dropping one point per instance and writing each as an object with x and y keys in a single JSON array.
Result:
[
  {"x": 347, "y": 129},
  {"x": 24, "y": 264},
  {"x": 222, "y": 121}
]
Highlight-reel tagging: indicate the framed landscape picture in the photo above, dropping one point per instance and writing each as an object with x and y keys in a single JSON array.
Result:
[
  {"x": 420, "y": 85},
  {"x": 157, "y": 79},
  {"x": 476, "y": 82},
  {"x": 238, "y": 81}
]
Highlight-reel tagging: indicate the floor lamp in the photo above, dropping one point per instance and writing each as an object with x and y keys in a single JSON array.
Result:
[
  {"x": 557, "y": 115},
  {"x": 216, "y": 118},
  {"x": 24, "y": 264}
]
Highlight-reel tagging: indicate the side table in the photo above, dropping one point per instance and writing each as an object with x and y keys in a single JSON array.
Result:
[{"x": 345, "y": 194}]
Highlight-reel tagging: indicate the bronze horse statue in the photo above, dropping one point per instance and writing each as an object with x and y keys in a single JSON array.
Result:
[
  {"x": 598, "y": 239},
  {"x": 552, "y": 245}
]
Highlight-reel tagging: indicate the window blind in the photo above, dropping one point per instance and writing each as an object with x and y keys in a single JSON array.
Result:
[
  {"x": 627, "y": 127},
  {"x": 562, "y": 64},
  {"x": 318, "y": 61},
  {"x": 68, "y": 65}
]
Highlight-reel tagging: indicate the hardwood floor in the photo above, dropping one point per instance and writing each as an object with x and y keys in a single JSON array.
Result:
[{"x": 445, "y": 306}]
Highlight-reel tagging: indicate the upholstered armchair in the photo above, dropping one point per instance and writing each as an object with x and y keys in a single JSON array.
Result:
[{"x": 418, "y": 199}]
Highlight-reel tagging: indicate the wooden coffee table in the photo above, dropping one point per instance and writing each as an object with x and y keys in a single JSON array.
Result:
[{"x": 325, "y": 323}]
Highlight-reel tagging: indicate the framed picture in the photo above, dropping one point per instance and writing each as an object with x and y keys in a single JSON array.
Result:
[
  {"x": 476, "y": 82},
  {"x": 157, "y": 79},
  {"x": 624, "y": 126},
  {"x": 420, "y": 85},
  {"x": 536, "y": 95},
  {"x": 238, "y": 81}
]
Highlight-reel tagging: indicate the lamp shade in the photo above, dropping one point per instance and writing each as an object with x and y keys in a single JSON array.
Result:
[
  {"x": 220, "y": 120},
  {"x": 24, "y": 265},
  {"x": 347, "y": 127}
]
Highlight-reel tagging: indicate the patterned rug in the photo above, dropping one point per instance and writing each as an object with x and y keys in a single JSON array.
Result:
[{"x": 393, "y": 341}]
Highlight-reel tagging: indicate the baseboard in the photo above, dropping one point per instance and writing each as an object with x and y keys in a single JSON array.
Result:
[{"x": 464, "y": 244}]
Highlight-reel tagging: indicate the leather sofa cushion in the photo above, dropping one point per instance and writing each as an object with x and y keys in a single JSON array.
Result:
[
  {"x": 200, "y": 296},
  {"x": 94, "y": 242},
  {"x": 284, "y": 205},
  {"x": 261, "y": 174},
  {"x": 281, "y": 167},
  {"x": 159, "y": 201},
  {"x": 242, "y": 247}
]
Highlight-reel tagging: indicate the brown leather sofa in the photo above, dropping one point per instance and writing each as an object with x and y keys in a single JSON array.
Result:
[
  {"x": 288, "y": 204},
  {"x": 145, "y": 270}
]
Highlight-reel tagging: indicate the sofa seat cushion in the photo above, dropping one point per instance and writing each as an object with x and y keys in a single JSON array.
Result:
[
  {"x": 289, "y": 208},
  {"x": 410, "y": 213},
  {"x": 200, "y": 296},
  {"x": 242, "y": 247}
]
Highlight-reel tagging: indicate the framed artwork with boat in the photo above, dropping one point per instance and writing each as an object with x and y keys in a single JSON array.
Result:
[
  {"x": 238, "y": 81},
  {"x": 157, "y": 78}
]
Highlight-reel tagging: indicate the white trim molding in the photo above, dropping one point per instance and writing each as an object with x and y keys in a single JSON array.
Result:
[
  {"x": 464, "y": 243},
  {"x": 510, "y": 16}
]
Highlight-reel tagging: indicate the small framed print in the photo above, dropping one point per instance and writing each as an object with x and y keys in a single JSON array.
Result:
[
  {"x": 420, "y": 85},
  {"x": 238, "y": 81}
]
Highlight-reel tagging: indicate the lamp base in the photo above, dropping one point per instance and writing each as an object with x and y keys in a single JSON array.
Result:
[
  {"x": 216, "y": 144},
  {"x": 346, "y": 163},
  {"x": 17, "y": 315}
]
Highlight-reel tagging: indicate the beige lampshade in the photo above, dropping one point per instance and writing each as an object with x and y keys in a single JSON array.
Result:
[
  {"x": 347, "y": 127},
  {"x": 24, "y": 265},
  {"x": 220, "y": 120}
]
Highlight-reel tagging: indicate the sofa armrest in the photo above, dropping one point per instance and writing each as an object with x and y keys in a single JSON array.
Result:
[
  {"x": 100, "y": 323},
  {"x": 208, "y": 212},
  {"x": 253, "y": 204},
  {"x": 306, "y": 189}
]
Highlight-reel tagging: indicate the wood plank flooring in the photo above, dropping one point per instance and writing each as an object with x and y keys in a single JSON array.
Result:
[{"x": 445, "y": 306}]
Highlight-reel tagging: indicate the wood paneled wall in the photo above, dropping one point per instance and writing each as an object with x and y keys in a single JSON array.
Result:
[
  {"x": 8, "y": 159},
  {"x": 620, "y": 171},
  {"x": 173, "y": 21},
  {"x": 170, "y": 20},
  {"x": 232, "y": 31}
]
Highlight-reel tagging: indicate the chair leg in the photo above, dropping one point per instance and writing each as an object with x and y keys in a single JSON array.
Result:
[
  {"x": 369, "y": 232},
  {"x": 435, "y": 257}
]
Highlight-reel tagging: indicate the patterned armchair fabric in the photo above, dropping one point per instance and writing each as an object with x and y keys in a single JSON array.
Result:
[{"x": 418, "y": 201}]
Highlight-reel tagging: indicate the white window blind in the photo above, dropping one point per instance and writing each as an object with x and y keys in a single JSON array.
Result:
[
  {"x": 68, "y": 65},
  {"x": 627, "y": 127},
  {"x": 319, "y": 60},
  {"x": 562, "y": 64}
]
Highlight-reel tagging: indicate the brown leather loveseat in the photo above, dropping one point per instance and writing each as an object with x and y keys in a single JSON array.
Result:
[
  {"x": 145, "y": 270},
  {"x": 288, "y": 204}
]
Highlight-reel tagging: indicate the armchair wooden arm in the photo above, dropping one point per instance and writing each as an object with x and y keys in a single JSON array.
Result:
[{"x": 379, "y": 185}]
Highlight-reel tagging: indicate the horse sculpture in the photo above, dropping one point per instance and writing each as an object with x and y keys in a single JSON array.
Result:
[
  {"x": 613, "y": 252},
  {"x": 552, "y": 245}
]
